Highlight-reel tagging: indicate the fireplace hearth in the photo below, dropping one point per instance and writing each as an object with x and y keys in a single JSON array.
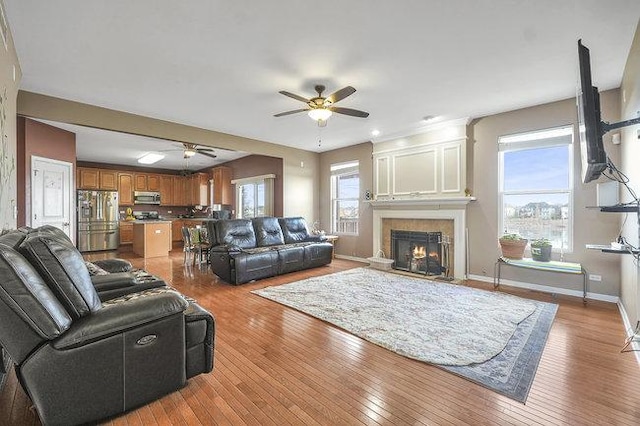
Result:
[{"x": 418, "y": 252}]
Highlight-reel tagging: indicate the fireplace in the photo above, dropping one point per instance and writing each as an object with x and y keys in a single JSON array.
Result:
[{"x": 417, "y": 252}]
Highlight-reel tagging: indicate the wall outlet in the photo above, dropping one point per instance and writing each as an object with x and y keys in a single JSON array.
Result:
[{"x": 594, "y": 277}]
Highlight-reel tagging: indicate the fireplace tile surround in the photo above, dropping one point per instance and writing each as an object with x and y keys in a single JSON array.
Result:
[{"x": 447, "y": 215}]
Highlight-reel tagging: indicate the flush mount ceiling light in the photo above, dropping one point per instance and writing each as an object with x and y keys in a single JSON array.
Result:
[
  {"x": 375, "y": 132},
  {"x": 150, "y": 158}
]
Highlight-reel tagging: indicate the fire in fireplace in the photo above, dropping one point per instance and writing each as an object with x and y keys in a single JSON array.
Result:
[{"x": 419, "y": 252}]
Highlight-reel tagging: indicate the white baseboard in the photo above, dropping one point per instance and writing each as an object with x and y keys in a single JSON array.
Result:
[
  {"x": 355, "y": 259},
  {"x": 547, "y": 289},
  {"x": 629, "y": 329}
]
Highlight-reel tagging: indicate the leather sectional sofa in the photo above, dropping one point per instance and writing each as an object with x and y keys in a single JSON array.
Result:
[
  {"x": 249, "y": 249},
  {"x": 82, "y": 356}
]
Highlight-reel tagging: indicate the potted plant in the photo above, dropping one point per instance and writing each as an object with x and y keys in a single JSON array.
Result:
[
  {"x": 541, "y": 250},
  {"x": 513, "y": 246}
]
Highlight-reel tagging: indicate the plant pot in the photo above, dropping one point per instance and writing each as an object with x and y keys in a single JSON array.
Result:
[
  {"x": 513, "y": 249},
  {"x": 541, "y": 253}
]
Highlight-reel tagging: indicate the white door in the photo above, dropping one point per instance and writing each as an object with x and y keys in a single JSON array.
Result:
[{"x": 51, "y": 189}]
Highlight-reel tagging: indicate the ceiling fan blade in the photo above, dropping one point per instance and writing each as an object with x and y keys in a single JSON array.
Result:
[
  {"x": 294, "y": 96},
  {"x": 204, "y": 149},
  {"x": 349, "y": 111},
  {"x": 341, "y": 94},
  {"x": 206, "y": 153},
  {"x": 295, "y": 111}
]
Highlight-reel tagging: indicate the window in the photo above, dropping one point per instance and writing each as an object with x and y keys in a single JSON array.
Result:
[
  {"x": 345, "y": 190},
  {"x": 254, "y": 196},
  {"x": 536, "y": 185}
]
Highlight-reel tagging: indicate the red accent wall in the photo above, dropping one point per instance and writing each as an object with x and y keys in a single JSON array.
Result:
[{"x": 42, "y": 140}]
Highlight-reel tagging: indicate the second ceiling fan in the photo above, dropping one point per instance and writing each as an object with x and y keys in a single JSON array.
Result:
[{"x": 320, "y": 108}]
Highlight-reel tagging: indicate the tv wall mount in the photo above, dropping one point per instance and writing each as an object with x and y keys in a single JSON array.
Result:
[{"x": 607, "y": 127}]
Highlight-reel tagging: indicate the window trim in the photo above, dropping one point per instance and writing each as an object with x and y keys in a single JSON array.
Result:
[
  {"x": 343, "y": 169},
  {"x": 546, "y": 138},
  {"x": 268, "y": 193}
]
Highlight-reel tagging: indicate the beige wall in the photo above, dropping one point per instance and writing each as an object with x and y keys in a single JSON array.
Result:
[
  {"x": 590, "y": 226},
  {"x": 630, "y": 148},
  {"x": 300, "y": 183},
  {"x": 9, "y": 67},
  {"x": 356, "y": 246}
]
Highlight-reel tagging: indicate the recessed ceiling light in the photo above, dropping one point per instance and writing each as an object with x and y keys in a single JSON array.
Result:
[
  {"x": 150, "y": 158},
  {"x": 375, "y": 132}
]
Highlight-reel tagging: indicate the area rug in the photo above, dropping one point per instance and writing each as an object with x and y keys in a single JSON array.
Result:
[{"x": 491, "y": 338}]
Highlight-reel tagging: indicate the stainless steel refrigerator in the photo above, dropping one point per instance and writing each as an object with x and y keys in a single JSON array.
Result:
[{"x": 97, "y": 220}]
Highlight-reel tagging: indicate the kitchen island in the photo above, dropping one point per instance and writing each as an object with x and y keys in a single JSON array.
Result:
[{"x": 152, "y": 238}]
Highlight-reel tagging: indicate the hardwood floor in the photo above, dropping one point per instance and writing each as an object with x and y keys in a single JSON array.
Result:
[{"x": 275, "y": 366}]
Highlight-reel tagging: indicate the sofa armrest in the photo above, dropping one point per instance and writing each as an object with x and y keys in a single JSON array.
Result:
[
  {"x": 116, "y": 318},
  {"x": 114, "y": 280},
  {"x": 226, "y": 248},
  {"x": 315, "y": 239},
  {"x": 114, "y": 265}
]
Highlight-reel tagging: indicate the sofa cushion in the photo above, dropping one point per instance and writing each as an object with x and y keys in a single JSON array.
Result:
[
  {"x": 63, "y": 269},
  {"x": 294, "y": 229},
  {"x": 29, "y": 312},
  {"x": 268, "y": 231},
  {"x": 236, "y": 232}
]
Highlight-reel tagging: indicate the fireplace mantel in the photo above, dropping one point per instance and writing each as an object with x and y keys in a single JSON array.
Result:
[{"x": 437, "y": 203}]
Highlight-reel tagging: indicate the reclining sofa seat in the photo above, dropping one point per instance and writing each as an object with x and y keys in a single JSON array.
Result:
[
  {"x": 80, "y": 360},
  {"x": 250, "y": 249}
]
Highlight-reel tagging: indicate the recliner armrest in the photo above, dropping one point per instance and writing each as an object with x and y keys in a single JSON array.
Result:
[
  {"x": 226, "y": 248},
  {"x": 114, "y": 280},
  {"x": 114, "y": 265},
  {"x": 116, "y": 318},
  {"x": 315, "y": 239}
]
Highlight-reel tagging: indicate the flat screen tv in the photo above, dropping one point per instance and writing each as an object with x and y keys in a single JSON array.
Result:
[{"x": 594, "y": 158}]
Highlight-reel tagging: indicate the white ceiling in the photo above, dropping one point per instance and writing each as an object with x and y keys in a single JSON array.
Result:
[
  {"x": 104, "y": 146},
  {"x": 220, "y": 64}
]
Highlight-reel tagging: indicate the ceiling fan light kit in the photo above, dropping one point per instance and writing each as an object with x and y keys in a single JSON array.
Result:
[
  {"x": 319, "y": 114},
  {"x": 320, "y": 108}
]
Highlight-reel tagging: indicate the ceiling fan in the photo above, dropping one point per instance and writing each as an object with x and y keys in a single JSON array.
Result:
[
  {"x": 320, "y": 108},
  {"x": 191, "y": 149}
]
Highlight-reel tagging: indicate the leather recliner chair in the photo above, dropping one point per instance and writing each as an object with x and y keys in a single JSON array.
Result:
[{"x": 80, "y": 360}]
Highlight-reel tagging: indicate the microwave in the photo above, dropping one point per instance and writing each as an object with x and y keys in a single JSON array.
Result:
[{"x": 146, "y": 197}]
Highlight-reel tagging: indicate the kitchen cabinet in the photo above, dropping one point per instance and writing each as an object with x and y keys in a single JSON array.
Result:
[
  {"x": 146, "y": 182},
  {"x": 108, "y": 179},
  {"x": 92, "y": 178},
  {"x": 166, "y": 190},
  {"x": 222, "y": 188},
  {"x": 153, "y": 183},
  {"x": 179, "y": 191},
  {"x": 199, "y": 189},
  {"x": 88, "y": 178},
  {"x": 176, "y": 230},
  {"x": 152, "y": 238},
  {"x": 126, "y": 233},
  {"x": 125, "y": 188}
]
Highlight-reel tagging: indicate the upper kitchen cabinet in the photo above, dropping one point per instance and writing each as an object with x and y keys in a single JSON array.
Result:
[
  {"x": 199, "y": 185},
  {"x": 125, "y": 188},
  {"x": 166, "y": 191},
  {"x": 222, "y": 189},
  {"x": 90, "y": 178},
  {"x": 179, "y": 191},
  {"x": 146, "y": 182},
  {"x": 109, "y": 180}
]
